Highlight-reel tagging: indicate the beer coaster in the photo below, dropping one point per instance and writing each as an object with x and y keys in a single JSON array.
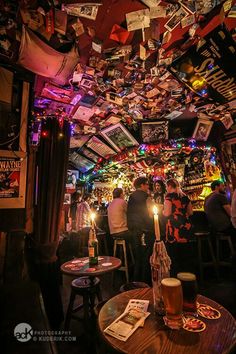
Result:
[
  {"x": 90, "y": 270},
  {"x": 69, "y": 266},
  {"x": 192, "y": 324},
  {"x": 76, "y": 261},
  {"x": 106, "y": 264},
  {"x": 208, "y": 312}
]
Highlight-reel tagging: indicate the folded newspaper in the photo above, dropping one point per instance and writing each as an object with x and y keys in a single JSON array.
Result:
[{"x": 132, "y": 318}]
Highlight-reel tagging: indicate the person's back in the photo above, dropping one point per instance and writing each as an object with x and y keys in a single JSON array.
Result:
[
  {"x": 216, "y": 208},
  {"x": 117, "y": 218},
  {"x": 83, "y": 214},
  {"x": 216, "y": 214}
]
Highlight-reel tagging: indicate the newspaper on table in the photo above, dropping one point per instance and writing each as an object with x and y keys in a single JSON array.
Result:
[{"x": 132, "y": 318}]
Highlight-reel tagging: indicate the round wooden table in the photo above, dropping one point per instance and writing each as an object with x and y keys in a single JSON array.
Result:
[
  {"x": 219, "y": 336},
  {"x": 79, "y": 267}
]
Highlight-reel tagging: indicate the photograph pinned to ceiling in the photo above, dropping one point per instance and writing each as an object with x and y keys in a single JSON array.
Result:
[
  {"x": 77, "y": 141},
  {"x": 88, "y": 153},
  {"x": 100, "y": 147},
  {"x": 175, "y": 20},
  {"x": 112, "y": 119},
  {"x": 77, "y": 10},
  {"x": 151, "y": 3},
  {"x": 202, "y": 129},
  {"x": 137, "y": 20},
  {"x": 227, "y": 120},
  {"x": 119, "y": 137},
  {"x": 188, "y": 21},
  {"x": 87, "y": 83},
  {"x": 174, "y": 114},
  {"x": 171, "y": 9},
  {"x": 189, "y": 5},
  {"x": 154, "y": 132},
  {"x": 80, "y": 162}
]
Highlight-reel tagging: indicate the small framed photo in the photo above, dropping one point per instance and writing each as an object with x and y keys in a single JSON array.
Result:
[
  {"x": 86, "y": 83},
  {"x": 202, "y": 129},
  {"x": 154, "y": 132},
  {"x": 119, "y": 137},
  {"x": 100, "y": 147},
  {"x": 72, "y": 178}
]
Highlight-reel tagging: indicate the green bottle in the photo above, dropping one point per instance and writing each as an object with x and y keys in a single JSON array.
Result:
[{"x": 93, "y": 247}]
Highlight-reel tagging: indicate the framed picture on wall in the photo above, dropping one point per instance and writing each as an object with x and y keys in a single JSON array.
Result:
[
  {"x": 202, "y": 129},
  {"x": 119, "y": 137},
  {"x": 13, "y": 169},
  {"x": 154, "y": 132},
  {"x": 100, "y": 147}
]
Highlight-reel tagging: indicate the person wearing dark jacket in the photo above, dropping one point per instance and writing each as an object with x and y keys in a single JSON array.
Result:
[{"x": 140, "y": 224}]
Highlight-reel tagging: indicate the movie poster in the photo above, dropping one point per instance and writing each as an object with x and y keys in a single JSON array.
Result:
[
  {"x": 12, "y": 179},
  {"x": 208, "y": 68}
]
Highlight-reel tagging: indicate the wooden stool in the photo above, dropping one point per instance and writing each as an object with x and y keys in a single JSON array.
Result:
[
  {"x": 201, "y": 237},
  {"x": 121, "y": 242},
  {"x": 133, "y": 285},
  {"x": 88, "y": 288},
  {"x": 220, "y": 236}
]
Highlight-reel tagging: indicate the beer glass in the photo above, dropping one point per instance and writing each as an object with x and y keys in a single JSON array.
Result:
[
  {"x": 173, "y": 301},
  {"x": 189, "y": 287}
]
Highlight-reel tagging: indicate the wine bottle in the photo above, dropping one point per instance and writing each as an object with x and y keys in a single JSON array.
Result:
[{"x": 93, "y": 247}]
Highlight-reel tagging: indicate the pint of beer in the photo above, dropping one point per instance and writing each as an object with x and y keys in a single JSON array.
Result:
[
  {"x": 189, "y": 287},
  {"x": 173, "y": 300}
]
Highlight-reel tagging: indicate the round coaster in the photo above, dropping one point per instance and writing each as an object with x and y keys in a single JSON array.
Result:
[
  {"x": 106, "y": 264},
  {"x": 90, "y": 270},
  {"x": 76, "y": 261},
  {"x": 192, "y": 324},
  {"x": 208, "y": 312}
]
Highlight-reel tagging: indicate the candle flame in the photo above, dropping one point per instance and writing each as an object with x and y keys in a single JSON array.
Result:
[
  {"x": 92, "y": 216},
  {"x": 155, "y": 210}
]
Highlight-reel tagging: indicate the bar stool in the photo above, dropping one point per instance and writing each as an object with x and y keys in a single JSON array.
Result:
[
  {"x": 121, "y": 242},
  {"x": 88, "y": 288},
  {"x": 220, "y": 236},
  {"x": 205, "y": 236}
]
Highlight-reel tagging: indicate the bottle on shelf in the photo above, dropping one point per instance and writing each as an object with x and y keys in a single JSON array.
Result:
[{"x": 93, "y": 243}]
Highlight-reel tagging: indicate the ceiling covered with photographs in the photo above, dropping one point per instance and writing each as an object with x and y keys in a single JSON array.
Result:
[{"x": 126, "y": 72}]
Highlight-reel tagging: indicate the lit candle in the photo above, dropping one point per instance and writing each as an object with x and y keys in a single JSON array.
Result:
[
  {"x": 156, "y": 224},
  {"x": 92, "y": 217}
]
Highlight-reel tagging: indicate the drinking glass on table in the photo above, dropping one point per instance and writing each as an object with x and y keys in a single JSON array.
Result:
[
  {"x": 189, "y": 287},
  {"x": 173, "y": 301}
]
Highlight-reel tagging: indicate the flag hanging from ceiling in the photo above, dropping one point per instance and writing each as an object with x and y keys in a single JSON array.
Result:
[{"x": 40, "y": 58}]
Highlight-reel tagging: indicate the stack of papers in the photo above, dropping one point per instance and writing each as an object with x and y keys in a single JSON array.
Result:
[{"x": 132, "y": 318}]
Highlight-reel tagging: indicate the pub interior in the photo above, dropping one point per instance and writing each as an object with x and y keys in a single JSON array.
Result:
[{"x": 118, "y": 176}]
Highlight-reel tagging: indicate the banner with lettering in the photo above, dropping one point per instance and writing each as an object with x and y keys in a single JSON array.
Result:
[
  {"x": 12, "y": 179},
  {"x": 209, "y": 67}
]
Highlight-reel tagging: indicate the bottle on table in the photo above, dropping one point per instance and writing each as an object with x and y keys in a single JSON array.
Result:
[{"x": 93, "y": 246}]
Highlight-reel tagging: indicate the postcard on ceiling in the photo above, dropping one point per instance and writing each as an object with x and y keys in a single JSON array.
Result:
[
  {"x": 175, "y": 20},
  {"x": 137, "y": 20}
]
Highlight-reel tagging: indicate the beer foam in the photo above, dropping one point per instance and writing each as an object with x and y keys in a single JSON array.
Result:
[
  {"x": 186, "y": 276},
  {"x": 171, "y": 282}
]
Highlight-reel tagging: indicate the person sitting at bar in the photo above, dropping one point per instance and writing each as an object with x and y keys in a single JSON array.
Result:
[
  {"x": 218, "y": 210},
  {"x": 117, "y": 215},
  {"x": 140, "y": 224},
  {"x": 178, "y": 209}
]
